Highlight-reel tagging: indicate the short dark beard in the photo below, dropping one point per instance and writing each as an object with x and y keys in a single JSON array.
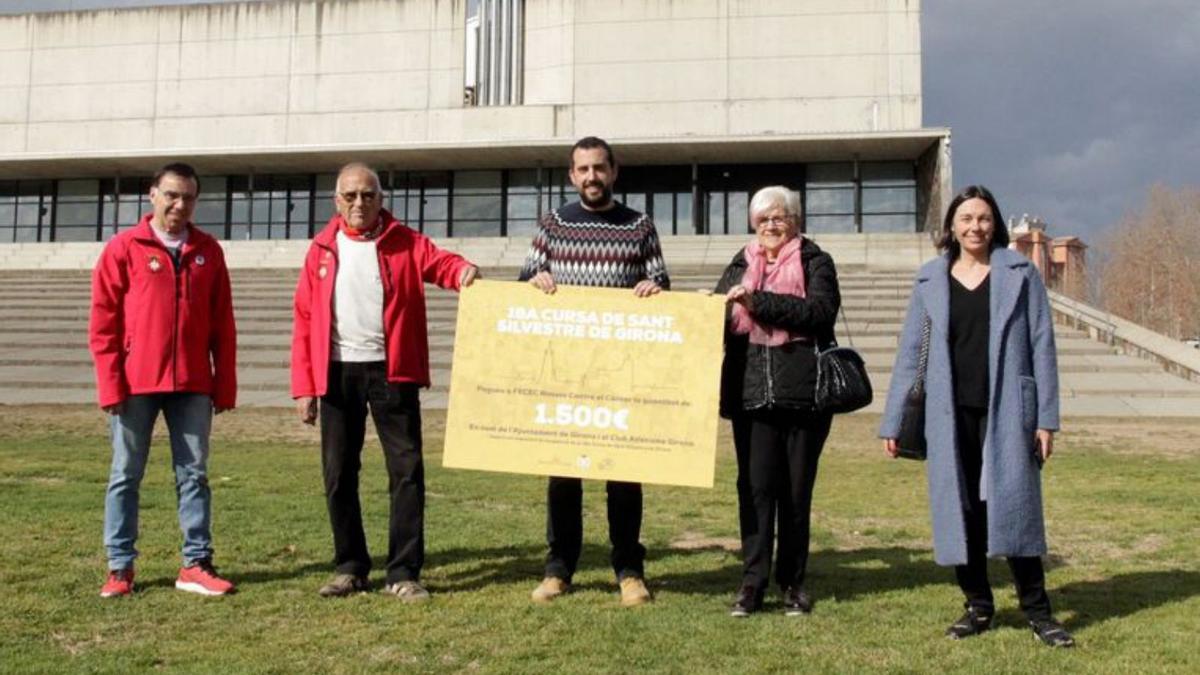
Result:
[{"x": 604, "y": 203}]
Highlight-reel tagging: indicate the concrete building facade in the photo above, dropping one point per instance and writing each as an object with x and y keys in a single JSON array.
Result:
[{"x": 467, "y": 107}]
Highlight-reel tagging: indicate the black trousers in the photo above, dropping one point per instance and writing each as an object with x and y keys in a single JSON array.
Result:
[
  {"x": 1027, "y": 572},
  {"x": 777, "y": 453},
  {"x": 564, "y": 527},
  {"x": 395, "y": 407}
]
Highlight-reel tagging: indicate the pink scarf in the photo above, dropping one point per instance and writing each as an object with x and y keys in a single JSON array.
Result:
[{"x": 786, "y": 277}]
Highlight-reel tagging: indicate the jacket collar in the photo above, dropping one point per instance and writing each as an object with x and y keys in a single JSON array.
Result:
[
  {"x": 144, "y": 232},
  {"x": 1007, "y": 280},
  {"x": 327, "y": 237}
]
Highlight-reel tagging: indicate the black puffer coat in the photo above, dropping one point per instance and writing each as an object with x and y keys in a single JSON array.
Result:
[{"x": 757, "y": 376}]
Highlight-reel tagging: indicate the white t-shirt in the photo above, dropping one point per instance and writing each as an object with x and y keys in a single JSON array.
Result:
[
  {"x": 173, "y": 242},
  {"x": 357, "y": 303}
]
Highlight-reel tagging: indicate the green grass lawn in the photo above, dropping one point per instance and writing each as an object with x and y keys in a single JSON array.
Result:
[{"x": 1122, "y": 510}]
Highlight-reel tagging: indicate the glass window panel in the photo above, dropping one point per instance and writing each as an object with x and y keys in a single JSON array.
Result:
[
  {"x": 72, "y": 212},
  {"x": 29, "y": 211},
  {"x": 300, "y": 216},
  {"x": 78, "y": 188},
  {"x": 435, "y": 205},
  {"x": 68, "y": 233},
  {"x": 434, "y": 228},
  {"x": 476, "y": 228},
  {"x": 684, "y": 223},
  {"x": 476, "y": 182},
  {"x": 636, "y": 201},
  {"x": 522, "y": 181},
  {"x": 108, "y": 211},
  {"x": 260, "y": 209},
  {"x": 830, "y": 224},
  {"x": 476, "y": 207},
  {"x": 891, "y": 223},
  {"x": 522, "y": 228},
  {"x": 8, "y": 212},
  {"x": 889, "y": 199},
  {"x": 238, "y": 232},
  {"x": 281, "y": 208},
  {"x": 217, "y": 231},
  {"x": 887, "y": 173},
  {"x": 210, "y": 211},
  {"x": 213, "y": 187},
  {"x": 829, "y": 201},
  {"x": 129, "y": 210},
  {"x": 739, "y": 212},
  {"x": 26, "y": 234},
  {"x": 664, "y": 212},
  {"x": 239, "y": 211},
  {"x": 716, "y": 212},
  {"x": 839, "y": 173},
  {"x": 521, "y": 206}
]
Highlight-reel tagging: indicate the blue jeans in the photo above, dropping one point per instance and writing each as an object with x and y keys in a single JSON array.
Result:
[{"x": 189, "y": 420}]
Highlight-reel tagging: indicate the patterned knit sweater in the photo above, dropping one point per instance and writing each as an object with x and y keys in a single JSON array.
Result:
[{"x": 616, "y": 248}]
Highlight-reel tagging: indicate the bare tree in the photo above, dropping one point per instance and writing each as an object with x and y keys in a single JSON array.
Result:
[{"x": 1151, "y": 271}]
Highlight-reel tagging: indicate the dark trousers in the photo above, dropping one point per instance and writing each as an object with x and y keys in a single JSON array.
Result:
[
  {"x": 353, "y": 389},
  {"x": 972, "y": 578},
  {"x": 564, "y": 527},
  {"x": 777, "y": 453}
]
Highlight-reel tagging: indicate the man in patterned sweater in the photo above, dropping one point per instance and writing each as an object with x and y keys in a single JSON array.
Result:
[{"x": 595, "y": 242}]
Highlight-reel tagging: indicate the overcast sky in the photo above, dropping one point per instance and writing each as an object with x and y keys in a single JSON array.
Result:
[{"x": 1067, "y": 109}]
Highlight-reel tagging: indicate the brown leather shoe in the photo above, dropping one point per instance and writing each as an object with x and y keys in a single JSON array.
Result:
[
  {"x": 342, "y": 585},
  {"x": 549, "y": 589},
  {"x": 634, "y": 592}
]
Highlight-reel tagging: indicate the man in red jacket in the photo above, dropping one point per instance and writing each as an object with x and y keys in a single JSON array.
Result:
[
  {"x": 359, "y": 342},
  {"x": 163, "y": 340}
]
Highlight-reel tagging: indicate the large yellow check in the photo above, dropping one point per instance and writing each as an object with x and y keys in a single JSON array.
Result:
[{"x": 588, "y": 382}]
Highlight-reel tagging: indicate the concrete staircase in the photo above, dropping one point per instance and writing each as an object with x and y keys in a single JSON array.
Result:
[{"x": 44, "y": 357}]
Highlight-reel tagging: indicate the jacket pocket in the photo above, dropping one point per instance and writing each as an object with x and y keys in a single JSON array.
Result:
[{"x": 1029, "y": 404}]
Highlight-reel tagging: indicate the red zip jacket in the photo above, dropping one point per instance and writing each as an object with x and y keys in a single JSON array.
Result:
[
  {"x": 154, "y": 330},
  {"x": 406, "y": 261}
]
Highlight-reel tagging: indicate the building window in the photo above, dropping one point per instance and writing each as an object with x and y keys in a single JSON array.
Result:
[
  {"x": 829, "y": 198},
  {"x": 8, "y": 211},
  {"x": 494, "y": 58},
  {"x": 889, "y": 197},
  {"x": 522, "y": 209},
  {"x": 478, "y": 203},
  {"x": 34, "y": 210},
  {"x": 211, "y": 214}
]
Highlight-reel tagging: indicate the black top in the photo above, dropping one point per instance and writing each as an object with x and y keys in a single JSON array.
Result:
[{"x": 969, "y": 325}]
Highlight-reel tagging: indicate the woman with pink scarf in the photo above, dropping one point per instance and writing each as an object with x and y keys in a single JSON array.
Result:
[{"x": 782, "y": 293}]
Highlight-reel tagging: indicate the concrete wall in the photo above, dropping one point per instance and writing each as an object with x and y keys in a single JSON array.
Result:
[{"x": 308, "y": 74}]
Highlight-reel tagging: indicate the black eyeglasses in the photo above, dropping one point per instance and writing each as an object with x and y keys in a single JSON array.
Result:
[{"x": 367, "y": 196}]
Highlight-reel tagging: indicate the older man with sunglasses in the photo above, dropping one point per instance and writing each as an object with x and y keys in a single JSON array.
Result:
[{"x": 359, "y": 343}]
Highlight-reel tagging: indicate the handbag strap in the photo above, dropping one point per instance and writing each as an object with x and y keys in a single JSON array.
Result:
[{"x": 923, "y": 361}]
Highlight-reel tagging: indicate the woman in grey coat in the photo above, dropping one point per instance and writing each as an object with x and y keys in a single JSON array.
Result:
[{"x": 990, "y": 413}]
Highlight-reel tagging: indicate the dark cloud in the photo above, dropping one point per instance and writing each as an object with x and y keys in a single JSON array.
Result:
[{"x": 1068, "y": 109}]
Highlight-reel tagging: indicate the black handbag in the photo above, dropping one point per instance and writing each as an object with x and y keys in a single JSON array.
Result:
[
  {"x": 842, "y": 382},
  {"x": 911, "y": 439}
]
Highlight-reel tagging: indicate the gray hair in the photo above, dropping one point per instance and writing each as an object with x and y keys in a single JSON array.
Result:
[
  {"x": 773, "y": 197},
  {"x": 357, "y": 166}
]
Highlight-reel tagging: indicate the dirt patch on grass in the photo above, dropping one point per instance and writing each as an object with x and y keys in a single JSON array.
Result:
[
  {"x": 1167, "y": 438},
  {"x": 694, "y": 541}
]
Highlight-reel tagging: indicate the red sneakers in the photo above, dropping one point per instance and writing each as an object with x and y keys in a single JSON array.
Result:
[
  {"x": 202, "y": 578},
  {"x": 119, "y": 583}
]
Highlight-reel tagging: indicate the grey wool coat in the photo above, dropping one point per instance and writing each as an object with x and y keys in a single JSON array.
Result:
[{"x": 1023, "y": 397}]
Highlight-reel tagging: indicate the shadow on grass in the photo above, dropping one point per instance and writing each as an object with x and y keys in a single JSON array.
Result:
[{"x": 1084, "y": 603}]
